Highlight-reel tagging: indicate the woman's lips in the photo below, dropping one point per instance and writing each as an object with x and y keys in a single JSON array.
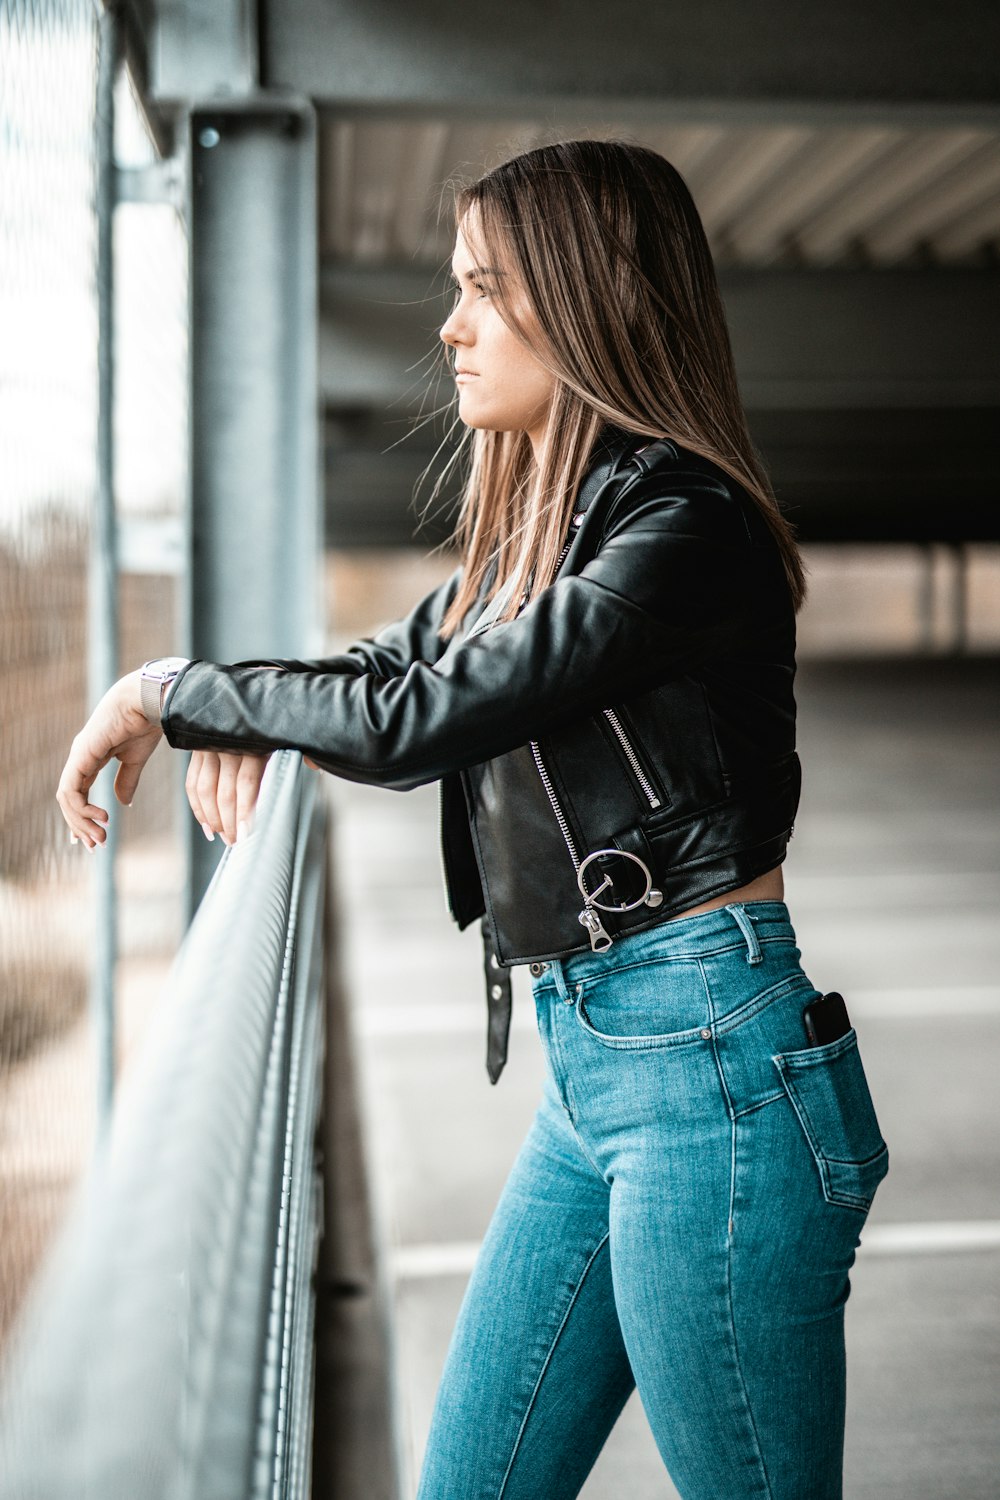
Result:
[{"x": 466, "y": 374}]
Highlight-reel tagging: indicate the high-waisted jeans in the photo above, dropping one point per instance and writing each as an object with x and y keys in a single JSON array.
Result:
[{"x": 682, "y": 1216}]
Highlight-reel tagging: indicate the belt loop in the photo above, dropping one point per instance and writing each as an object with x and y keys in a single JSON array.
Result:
[{"x": 745, "y": 924}]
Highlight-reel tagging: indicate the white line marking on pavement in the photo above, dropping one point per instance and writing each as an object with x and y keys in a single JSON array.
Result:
[
  {"x": 461, "y": 1019},
  {"x": 418, "y": 1262},
  {"x": 457, "y": 1257},
  {"x": 904, "y": 1004},
  {"x": 931, "y": 1238},
  {"x": 435, "y": 1019}
]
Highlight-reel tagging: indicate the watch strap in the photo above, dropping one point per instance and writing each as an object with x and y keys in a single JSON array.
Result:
[{"x": 157, "y": 674}]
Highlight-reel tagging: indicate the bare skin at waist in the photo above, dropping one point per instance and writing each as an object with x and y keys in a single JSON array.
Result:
[{"x": 767, "y": 887}]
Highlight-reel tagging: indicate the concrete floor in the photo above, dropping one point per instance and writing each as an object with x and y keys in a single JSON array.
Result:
[{"x": 893, "y": 880}]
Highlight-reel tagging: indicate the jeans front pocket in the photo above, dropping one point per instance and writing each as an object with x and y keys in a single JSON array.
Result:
[
  {"x": 829, "y": 1092},
  {"x": 647, "y": 1004}
]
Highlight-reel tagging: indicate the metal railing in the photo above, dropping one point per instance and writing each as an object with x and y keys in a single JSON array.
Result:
[{"x": 167, "y": 1347}]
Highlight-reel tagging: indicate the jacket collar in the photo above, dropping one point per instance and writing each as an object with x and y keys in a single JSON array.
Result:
[{"x": 610, "y": 453}]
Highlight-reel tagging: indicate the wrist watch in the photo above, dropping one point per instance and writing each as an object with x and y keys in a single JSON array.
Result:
[{"x": 157, "y": 675}]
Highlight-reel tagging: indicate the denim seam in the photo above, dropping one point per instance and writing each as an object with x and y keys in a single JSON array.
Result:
[
  {"x": 572, "y": 1114},
  {"x": 732, "y": 1182},
  {"x": 733, "y": 1019},
  {"x": 732, "y": 1331},
  {"x": 547, "y": 1360},
  {"x": 583, "y": 1149},
  {"x": 718, "y": 1068},
  {"x": 564, "y": 1086},
  {"x": 760, "y": 1103}
]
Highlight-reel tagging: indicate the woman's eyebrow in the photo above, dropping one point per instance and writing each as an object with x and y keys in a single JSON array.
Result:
[{"x": 476, "y": 272}]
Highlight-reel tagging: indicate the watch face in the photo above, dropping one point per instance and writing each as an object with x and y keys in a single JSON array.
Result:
[{"x": 164, "y": 664}]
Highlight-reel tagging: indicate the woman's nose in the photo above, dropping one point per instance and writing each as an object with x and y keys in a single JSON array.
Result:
[{"x": 452, "y": 329}]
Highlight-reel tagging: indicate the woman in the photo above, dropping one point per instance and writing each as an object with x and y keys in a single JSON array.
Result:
[{"x": 604, "y": 689}]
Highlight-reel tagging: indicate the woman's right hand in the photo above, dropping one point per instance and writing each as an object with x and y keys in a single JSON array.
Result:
[{"x": 222, "y": 788}]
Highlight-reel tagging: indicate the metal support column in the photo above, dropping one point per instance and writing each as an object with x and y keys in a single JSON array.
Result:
[
  {"x": 958, "y": 600},
  {"x": 254, "y": 516},
  {"x": 102, "y": 582}
]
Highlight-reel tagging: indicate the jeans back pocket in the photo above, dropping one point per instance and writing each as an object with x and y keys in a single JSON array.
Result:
[{"x": 829, "y": 1092}]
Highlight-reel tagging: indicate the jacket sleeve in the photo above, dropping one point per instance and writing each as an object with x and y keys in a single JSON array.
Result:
[
  {"x": 676, "y": 581},
  {"x": 389, "y": 653}
]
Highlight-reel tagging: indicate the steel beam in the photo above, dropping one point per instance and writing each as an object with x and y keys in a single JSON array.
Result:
[{"x": 724, "y": 59}]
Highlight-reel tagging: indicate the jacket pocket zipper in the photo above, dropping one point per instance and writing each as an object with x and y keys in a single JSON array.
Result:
[{"x": 632, "y": 758}]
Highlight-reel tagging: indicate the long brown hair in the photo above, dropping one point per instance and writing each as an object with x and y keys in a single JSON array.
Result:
[{"x": 607, "y": 252}]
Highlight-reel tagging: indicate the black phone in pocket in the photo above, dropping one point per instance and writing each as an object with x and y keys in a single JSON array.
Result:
[{"x": 826, "y": 1019}]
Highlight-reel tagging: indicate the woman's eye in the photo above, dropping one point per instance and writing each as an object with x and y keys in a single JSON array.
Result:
[{"x": 480, "y": 289}]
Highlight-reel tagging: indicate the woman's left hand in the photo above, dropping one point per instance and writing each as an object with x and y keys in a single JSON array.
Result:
[{"x": 116, "y": 730}]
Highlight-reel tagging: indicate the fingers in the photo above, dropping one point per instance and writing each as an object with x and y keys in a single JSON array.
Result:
[
  {"x": 116, "y": 730},
  {"x": 222, "y": 788},
  {"x": 133, "y": 758},
  {"x": 249, "y": 776},
  {"x": 199, "y": 786},
  {"x": 87, "y": 820},
  {"x": 226, "y": 795}
]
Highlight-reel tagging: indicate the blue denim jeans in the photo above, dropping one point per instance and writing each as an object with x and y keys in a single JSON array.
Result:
[{"x": 682, "y": 1216}]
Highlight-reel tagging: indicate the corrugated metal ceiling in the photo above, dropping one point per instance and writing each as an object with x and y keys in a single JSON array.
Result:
[{"x": 771, "y": 195}]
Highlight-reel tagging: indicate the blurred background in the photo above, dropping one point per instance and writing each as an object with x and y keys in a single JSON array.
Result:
[{"x": 224, "y": 237}]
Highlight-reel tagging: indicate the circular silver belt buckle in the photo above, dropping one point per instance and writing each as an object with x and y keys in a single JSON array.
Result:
[{"x": 591, "y": 899}]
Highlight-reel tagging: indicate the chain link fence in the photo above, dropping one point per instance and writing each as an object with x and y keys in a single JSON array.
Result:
[{"x": 48, "y": 485}]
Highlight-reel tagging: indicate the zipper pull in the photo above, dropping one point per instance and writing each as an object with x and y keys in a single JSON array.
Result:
[{"x": 600, "y": 938}]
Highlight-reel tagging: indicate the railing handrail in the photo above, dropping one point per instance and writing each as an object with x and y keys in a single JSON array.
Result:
[{"x": 166, "y": 1349}]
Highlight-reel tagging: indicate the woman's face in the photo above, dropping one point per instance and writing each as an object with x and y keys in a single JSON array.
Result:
[{"x": 501, "y": 386}]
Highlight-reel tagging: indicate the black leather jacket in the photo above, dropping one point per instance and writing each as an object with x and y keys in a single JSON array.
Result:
[{"x": 639, "y": 710}]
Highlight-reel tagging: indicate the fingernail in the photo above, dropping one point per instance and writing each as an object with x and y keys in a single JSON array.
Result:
[
  {"x": 207, "y": 832},
  {"x": 73, "y": 839},
  {"x": 242, "y": 832}
]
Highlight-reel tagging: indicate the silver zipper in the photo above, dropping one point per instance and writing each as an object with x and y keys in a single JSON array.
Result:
[
  {"x": 589, "y": 917},
  {"x": 600, "y": 937},
  {"x": 633, "y": 759},
  {"x": 540, "y": 764},
  {"x": 554, "y": 800}
]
